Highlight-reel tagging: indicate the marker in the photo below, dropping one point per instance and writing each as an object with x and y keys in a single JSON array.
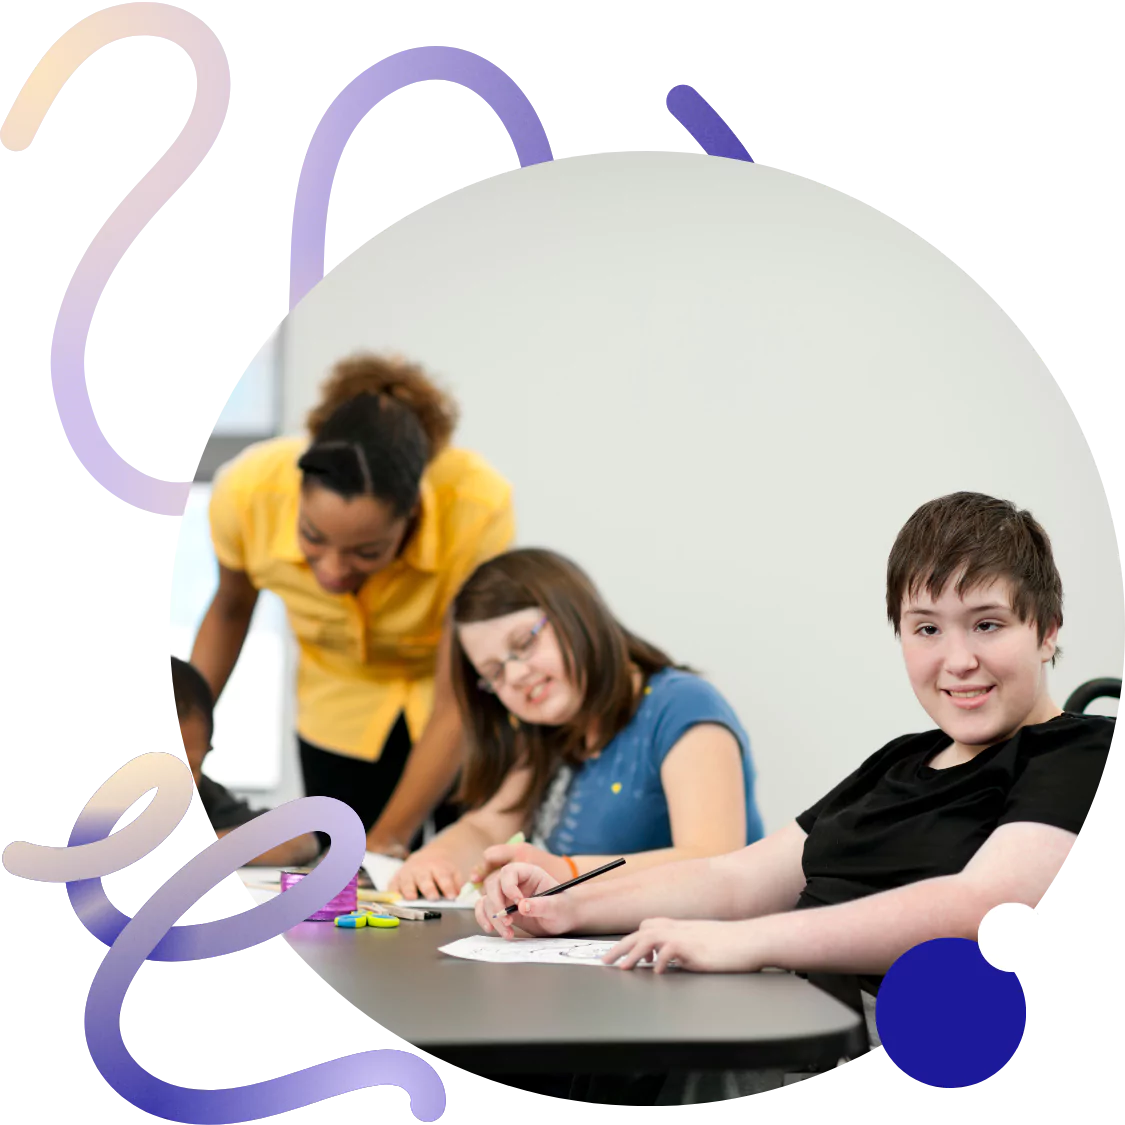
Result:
[
  {"x": 565, "y": 886},
  {"x": 410, "y": 914}
]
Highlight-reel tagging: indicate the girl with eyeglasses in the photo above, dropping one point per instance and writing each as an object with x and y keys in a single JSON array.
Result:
[{"x": 584, "y": 737}]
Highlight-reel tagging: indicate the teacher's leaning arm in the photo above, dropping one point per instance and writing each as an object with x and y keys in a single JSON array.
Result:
[
  {"x": 434, "y": 759},
  {"x": 365, "y": 532}
]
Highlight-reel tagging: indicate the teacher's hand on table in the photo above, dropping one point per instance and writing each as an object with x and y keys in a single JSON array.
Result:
[
  {"x": 429, "y": 873},
  {"x": 516, "y": 883},
  {"x": 703, "y": 947},
  {"x": 502, "y": 854}
]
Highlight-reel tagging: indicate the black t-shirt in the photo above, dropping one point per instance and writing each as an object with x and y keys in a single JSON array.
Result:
[
  {"x": 224, "y": 810},
  {"x": 897, "y": 820},
  {"x": 213, "y": 803}
]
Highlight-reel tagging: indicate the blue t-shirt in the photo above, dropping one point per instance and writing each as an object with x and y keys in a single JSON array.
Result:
[{"x": 615, "y": 803}]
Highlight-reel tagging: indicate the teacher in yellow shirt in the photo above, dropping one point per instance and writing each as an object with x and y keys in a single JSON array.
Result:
[{"x": 366, "y": 531}]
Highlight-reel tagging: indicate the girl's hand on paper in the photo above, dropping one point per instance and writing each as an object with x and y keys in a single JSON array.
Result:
[
  {"x": 516, "y": 883},
  {"x": 428, "y": 873},
  {"x": 702, "y": 947},
  {"x": 500, "y": 855}
]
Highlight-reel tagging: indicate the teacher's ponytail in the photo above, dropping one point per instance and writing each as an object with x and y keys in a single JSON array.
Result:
[{"x": 378, "y": 424}]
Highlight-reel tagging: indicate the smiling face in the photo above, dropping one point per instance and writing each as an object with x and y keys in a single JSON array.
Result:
[
  {"x": 526, "y": 670},
  {"x": 975, "y": 667},
  {"x": 345, "y": 541}
]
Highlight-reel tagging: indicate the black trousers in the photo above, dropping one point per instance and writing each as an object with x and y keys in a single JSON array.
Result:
[{"x": 366, "y": 787}]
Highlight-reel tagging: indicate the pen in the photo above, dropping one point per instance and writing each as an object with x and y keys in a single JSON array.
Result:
[{"x": 566, "y": 886}]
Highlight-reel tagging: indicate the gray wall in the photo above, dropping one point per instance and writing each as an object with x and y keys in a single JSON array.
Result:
[{"x": 722, "y": 389}]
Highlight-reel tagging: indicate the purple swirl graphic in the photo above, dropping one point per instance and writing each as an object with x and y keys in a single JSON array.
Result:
[
  {"x": 710, "y": 131},
  {"x": 94, "y": 850},
  {"x": 420, "y": 64}
]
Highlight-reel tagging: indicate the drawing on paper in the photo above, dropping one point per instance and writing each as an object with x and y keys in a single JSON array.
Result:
[
  {"x": 588, "y": 951},
  {"x": 532, "y": 951}
]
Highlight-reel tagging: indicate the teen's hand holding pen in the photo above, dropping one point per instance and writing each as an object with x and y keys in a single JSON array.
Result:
[
  {"x": 515, "y": 884},
  {"x": 524, "y": 903},
  {"x": 522, "y": 894},
  {"x": 719, "y": 887}
]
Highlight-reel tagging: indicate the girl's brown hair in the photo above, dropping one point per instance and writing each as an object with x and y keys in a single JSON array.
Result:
[
  {"x": 975, "y": 539},
  {"x": 599, "y": 656},
  {"x": 378, "y": 424}
]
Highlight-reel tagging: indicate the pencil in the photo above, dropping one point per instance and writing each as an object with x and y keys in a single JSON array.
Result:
[{"x": 566, "y": 886}]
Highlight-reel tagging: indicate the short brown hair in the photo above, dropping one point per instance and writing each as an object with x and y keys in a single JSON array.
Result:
[
  {"x": 978, "y": 539},
  {"x": 598, "y": 653}
]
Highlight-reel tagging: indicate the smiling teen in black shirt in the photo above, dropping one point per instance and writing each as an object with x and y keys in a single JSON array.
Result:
[{"x": 931, "y": 832}]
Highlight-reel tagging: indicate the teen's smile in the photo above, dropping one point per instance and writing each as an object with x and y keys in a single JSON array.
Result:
[{"x": 969, "y": 698}]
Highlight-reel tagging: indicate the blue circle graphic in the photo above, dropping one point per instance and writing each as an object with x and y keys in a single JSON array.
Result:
[{"x": 946, "y": 1016}]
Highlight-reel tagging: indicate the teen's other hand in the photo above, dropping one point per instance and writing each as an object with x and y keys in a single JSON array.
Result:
[{"x": 702, "y": 947}]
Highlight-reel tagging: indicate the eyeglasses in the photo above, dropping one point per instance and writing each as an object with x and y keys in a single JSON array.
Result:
[{"x": 521, "y": 650}]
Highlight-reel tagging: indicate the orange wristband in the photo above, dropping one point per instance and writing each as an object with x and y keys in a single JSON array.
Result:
[{"x": 572, "y": 865}]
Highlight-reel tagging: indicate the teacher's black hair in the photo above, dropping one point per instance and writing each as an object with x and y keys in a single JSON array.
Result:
[
  {"x": 378, "y": 425},
  {"x": 192, "y": 693}
]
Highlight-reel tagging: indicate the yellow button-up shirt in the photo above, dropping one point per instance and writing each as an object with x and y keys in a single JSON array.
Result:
[{"x": 364, "y": 658}]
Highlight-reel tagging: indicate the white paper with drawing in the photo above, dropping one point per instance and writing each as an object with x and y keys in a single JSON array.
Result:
[{"x": 532, "y": 951}]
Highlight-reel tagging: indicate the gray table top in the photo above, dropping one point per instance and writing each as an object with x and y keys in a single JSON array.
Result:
[{"x": 511, "y": 1018}]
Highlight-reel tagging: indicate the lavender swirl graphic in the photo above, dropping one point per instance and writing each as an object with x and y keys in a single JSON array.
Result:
[{"x": 94, "y": 851}]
